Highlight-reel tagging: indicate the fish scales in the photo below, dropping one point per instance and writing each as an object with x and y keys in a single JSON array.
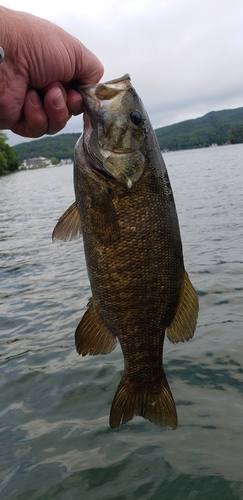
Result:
[{"x": 132, "y": 248}]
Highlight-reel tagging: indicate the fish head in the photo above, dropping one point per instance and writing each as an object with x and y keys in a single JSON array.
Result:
[{"x": 115, "y": 130}]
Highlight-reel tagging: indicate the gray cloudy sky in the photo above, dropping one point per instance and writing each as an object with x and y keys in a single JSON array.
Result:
[{"x": 185, "y": 57}]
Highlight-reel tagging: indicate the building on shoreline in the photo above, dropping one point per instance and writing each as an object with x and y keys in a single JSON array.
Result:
[{"x": 30, "y": 163}]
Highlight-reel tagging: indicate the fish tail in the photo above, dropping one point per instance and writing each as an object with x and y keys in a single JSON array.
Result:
[{"x": 157, "y": 406}]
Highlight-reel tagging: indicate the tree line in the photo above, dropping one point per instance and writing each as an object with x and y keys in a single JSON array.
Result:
[
  {"x": 59, "y": 146},
  {"x": 216, "y": 127},
  {"x": 8, "y": 157}
]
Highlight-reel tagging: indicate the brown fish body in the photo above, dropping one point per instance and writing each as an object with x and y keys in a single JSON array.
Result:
[{"x": 133, "y": 251}]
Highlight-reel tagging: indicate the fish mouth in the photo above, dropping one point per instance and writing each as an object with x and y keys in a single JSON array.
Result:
[{"x": 92, "y": 152}]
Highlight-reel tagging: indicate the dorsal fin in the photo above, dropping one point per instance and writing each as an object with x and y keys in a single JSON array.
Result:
[
  {"x": 68, "y": 226},
  {"x": 184, "y": 322}
]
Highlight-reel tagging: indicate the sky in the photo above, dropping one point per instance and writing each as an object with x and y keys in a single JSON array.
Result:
[{"x": 185, "y": 57}]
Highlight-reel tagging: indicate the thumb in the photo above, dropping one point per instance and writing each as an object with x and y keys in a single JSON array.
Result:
[{"x": 88, "y": 68}]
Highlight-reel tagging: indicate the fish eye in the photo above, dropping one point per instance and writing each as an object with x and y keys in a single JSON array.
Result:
[{"x": 136, "y": 117}]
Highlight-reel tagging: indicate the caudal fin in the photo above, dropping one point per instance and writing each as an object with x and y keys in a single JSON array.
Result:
[{"x": 156, "y": 406}]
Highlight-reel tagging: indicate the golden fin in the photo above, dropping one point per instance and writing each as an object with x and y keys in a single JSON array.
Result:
[
  {"x": 92, "y": 336},
  {"x": 68, "y": 226},
  {"x": 157, "y": 407},
  {"x": 184, "y": 322}
]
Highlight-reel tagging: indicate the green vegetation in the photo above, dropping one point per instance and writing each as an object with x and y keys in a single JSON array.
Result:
[
  {"x": 236, "y": 134},
  {"x": 8, "y": 157},
  {"x": 215, "y": 127},
  {"x": 54, "y": 160},
  {"x": 60, "y": 146}
]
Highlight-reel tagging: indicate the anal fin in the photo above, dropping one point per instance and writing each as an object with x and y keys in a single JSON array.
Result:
[
  {"x": 157, "y": 406},
  {"x": 184, "y": 322},
  {"x": 92, "y": 336}
]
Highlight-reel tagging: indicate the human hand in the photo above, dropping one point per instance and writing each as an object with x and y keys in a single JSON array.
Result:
[{"x": 36, "y": 76}]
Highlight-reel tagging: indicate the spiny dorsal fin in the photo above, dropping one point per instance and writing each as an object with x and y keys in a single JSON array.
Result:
[
  {"x": 157, "y": 406},
  {"x": 92, "y": 336},
  {"x": 68, "y": 226},
  {"x": 184, "y": 322}
]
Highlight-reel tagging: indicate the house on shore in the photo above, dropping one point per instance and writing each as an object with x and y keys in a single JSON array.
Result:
[{"x": 31, "y": 163}]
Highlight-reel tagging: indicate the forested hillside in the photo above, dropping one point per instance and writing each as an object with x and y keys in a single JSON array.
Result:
[
  {"x": 214, "y": 127},
  {"x": 58, "y": 146}
]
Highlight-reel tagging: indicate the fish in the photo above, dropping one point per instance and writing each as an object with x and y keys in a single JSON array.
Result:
[{"x": 125, "y": 211}]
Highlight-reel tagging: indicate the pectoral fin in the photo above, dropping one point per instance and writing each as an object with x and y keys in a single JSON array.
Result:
[
  {"x": 184, "y": 322},
  {"x": 92, "y": 336},
  {"x": 68, "y": 226}
]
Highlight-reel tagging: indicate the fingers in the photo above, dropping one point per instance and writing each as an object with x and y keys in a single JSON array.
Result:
[
  {"x": 74, "y": 102},
  {"x": 50, "y": 115},
  {"x": 33, "y": 121},
  {"x": 55, "y": 105}
]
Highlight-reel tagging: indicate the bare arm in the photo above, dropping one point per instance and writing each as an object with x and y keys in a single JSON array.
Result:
[{"x": 41, "y": 60}]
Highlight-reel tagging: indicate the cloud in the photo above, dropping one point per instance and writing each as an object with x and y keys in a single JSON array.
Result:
[{"x": 184, "y": 58}]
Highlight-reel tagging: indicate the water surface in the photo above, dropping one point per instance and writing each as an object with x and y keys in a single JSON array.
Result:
[{"x": 54, "y": 405}]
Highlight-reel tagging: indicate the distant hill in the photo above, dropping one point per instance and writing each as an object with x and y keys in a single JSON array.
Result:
[
  {"x": 58, "y": 146},
  {"x": 215, "y": 127}
]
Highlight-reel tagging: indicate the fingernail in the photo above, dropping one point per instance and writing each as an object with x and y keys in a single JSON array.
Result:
[
  {"x": 59, "y": 102},
  {"x": 34, "y": 99}
]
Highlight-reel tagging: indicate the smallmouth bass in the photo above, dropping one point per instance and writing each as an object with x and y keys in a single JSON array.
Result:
[{"x": 126, "y": 213}]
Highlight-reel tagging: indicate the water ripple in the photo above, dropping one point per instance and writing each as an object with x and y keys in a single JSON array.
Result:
[{"x": 55, "y": 438}]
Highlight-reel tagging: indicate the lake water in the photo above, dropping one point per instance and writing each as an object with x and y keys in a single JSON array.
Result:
[{"x": 54, "y": 405}]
